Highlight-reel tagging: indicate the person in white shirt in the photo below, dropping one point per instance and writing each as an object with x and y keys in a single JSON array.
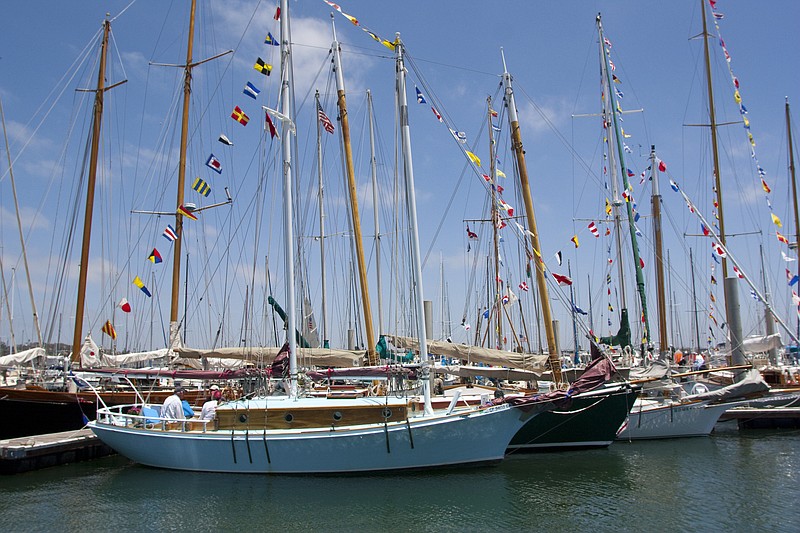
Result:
[
  {"x": 209, "y": 410},
  {"x": 173, "y": 406}
]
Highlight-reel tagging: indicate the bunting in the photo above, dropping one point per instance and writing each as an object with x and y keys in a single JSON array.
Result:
[
  {"x": 109, "y": 330},
  {"x": 139, "y": 283}
]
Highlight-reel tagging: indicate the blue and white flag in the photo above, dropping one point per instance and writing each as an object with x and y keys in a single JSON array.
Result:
[
  {"x": 214, "y": 164},
  {"x": 250, "y": 90},
  {"x": 420, "y": 98}
]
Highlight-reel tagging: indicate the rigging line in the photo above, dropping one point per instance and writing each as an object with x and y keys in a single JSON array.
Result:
[
  {"x": 123, "y": 11},
  {"x": 560, "y": 136},
  {"x": 80, "y": 59}
]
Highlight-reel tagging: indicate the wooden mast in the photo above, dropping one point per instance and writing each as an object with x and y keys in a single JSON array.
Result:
[
  {"x": 794, "y": 192},
  {"x": 495, "y": 219},
  {"x": 176, "y": 257},
  {"x": 372, "y": 355},
  {"x": 712, "y": 115},
  {"x": 77, "y": 336},
  {"x": 321, "y": 192},
  {"x": 541, "y": 281},
  {"x": 661, "y": 296}
]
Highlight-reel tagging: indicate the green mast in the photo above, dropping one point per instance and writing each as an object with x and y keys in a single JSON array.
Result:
[{"x": 609, "y": 87}]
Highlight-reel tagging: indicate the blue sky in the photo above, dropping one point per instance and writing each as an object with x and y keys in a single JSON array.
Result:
[{"x": 551, "y": 51}]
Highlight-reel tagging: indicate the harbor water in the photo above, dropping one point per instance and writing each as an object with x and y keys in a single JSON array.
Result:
[{"x": 732, "y": 481}]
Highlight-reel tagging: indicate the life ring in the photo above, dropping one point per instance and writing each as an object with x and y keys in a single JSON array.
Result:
[{"x": 699, "y": 388}]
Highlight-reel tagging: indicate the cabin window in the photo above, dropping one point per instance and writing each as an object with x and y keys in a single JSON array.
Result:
[
  {"x": 243, "y": 418},
  {"x": 387, "y": 413},
  {"x": 337, "y": 416},
  {"x": 289, "y": 417}
]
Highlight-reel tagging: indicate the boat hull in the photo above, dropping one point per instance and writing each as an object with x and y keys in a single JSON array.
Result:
[
  {"x": 647, "y": 421},
  {"x": 439, "y": 440},
  {"x": 590, "y": 421}
]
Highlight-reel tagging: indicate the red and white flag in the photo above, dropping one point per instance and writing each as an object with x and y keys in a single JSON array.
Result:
[{"x": 593, "y": 229}]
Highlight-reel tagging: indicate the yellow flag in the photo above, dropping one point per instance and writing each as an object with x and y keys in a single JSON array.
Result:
[
  {"x": 608, "y": 207},
  {"x": 474, "y": 158},
  {"x": 574, "y": 240},
  {"x": 737, "y": 97},
  {"x": 500, "y": 173},
  {"x": 776, "y": 220}
]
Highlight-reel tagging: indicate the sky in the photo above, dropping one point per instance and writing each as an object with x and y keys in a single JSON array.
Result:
[{"x": 454, "y": 49}]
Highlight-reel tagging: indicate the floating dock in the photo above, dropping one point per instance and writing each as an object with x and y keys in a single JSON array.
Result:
[
  {"x": 764, "y": 418},
  {"x": 23, "y": 454}
]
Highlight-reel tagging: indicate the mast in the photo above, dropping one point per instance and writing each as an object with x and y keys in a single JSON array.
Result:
[
  {"x": 77, "y": 336},
  {"x": 19, "y": 228},
  {"x": 575, "y": 356},
  {"x": 373, "y": 164},
  {"x": 623, "y": 172},
  {"x": 541, "y": 282},
  {"x": 288, "y": 221},
  {"x": 495, "y": 217},
  {"x": 176, "y": 257},
  {"x": 372, "y": 355},
  {"x": 661, "y": 296},
  {"x": 712, "y": 115},
  {"x": 321, "y": 190},
  {"x": 408, "y": 172},
  {"x": 794, "y": 193},
  {"x": 694, "y": 301},
  {"x": 769, "y": 322}
]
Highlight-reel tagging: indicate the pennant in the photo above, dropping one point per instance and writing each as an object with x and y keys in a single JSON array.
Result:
[
  {"x": 631, "y": 173},
  {"x": 641, "y": 263},
  {"x": 438, "y": 116},
  {"x": 713, "y": 280},
  {"x": 706, "y": 231},
  {"x": 139, "y": 283},
  {"x": 717, "y": 249},
  {"x": 263, "y": 67},
  {"x": 281, "y": 117},
  {"x": 277, "y": 13},
  {"x": 793, "y": 280},
  {"x": 124, "y": 305},
  {"x": 558, "y": 257},
  {"x": 170, "y": 234},
  {"x": 578, "y": 310},
  {"x": 574, "y": 240},
  {"x": 608, "y": 207},
  {"x": 239, "y": 116},
  {"x": 474, "y": 158},
  {"x": 420, "y": 97},
  {"x": 776, "y": 220},
  {"x": 713, "y": 298},
  {"x": 459, "y": 135},
  {"x": 186, "y": 212},
  {"x": 500, "y": 173},
  {"x": 155, "y": 257},
  {"x": 493, "y": 113},
  {"x": 754, "y": 294},
  {"x": 562, "y": 280},
  {"x": 224, "y": 140},
  {"x": 214, "y": 164},
  {"x": 674, "y": 186},
  {"x": 269, "y": 39},
  {"x": 765, "y": 186},
  {"x": 324, "y": 120},
  {"x": 593, "y": 229},
  {"x": 251, "y": 90},
  {"x": 786, "y": 257},
  {"x": 738, "y": 272},
  {"x": 201, "y": 187},
  {"x": 109, "y": 330},
  {"x": 524, "y": 286},
  {"x": 615, "y": 78},
  {"x": 662, "y": 167},
  {"x": 471, "y": 235},
  {"x": 781, "y": 238},
  {"x": 269, "y": 124}
]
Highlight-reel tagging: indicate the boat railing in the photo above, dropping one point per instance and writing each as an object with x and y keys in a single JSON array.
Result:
[{"x": 134, "y": 416}]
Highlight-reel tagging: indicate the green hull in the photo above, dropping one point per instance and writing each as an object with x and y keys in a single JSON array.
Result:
[{"x": 590, "y": 421}]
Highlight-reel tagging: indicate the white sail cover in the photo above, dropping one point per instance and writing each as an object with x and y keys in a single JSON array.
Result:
[
  {"x": 319, "y": 357},
  {"x": 762, "y": 343},
  {"x": 475, "y": 354},
  {"x": 21, "y": 358}
]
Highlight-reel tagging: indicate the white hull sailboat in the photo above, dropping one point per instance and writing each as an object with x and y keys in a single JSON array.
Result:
[{"x": 652, "y": 419}]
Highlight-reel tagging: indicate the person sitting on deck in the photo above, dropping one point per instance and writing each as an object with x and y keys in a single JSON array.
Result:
[
  {"x": 209, "y": 410},
  {"x": 173, "y": 406}
]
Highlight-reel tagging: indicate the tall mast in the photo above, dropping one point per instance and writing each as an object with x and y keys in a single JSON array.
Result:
[
  {"x": 19, "y": 228},
  {"x": 372, "y": 355},
  {"x": 408, "y": 172},
  {"x": 794, "y": 193},
  {"x": 694, "y": 301},
  {"x": 495, "y": 218},
  {"x": 576, "y": 346},
  {"x": 321, "y": 189},
  {"x": 77, "y": 336},
  {"x": 541, "y": 282},
  {"x": 288, "y": 221},
  {"x": 373, "y": 164},
  {"x": 712, "y": 115},
  {"x": 176, "y": 258},
  {"x": 609, "y": 87},
  {"x": 661, "y": 296}
]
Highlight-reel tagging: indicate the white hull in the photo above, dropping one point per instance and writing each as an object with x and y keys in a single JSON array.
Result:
[
  {"x": 422, "y": 442},
  {"x": 655, "y": 420}
]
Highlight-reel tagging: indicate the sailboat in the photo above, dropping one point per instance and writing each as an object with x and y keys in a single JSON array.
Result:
[{"x": 294, "y": 434}]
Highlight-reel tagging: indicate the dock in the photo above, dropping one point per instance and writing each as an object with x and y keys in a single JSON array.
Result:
[
  {"x": 24, "y": 454},
  {"x": 764, "y": 418}
]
